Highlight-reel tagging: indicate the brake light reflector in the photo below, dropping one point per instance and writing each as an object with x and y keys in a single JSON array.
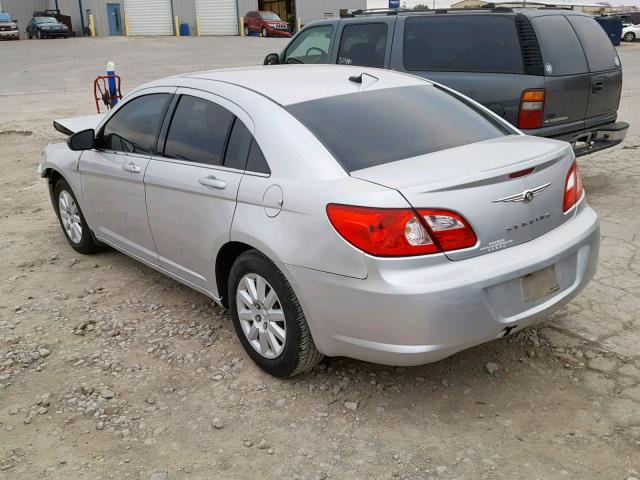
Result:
[
  {"x": 573, "y": 189},
  {"x": 531, "y": 109},
  {"x": 398, "y": 232}
]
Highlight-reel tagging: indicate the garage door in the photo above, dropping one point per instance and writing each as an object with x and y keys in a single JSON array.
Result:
[
  {"x": 217, "y": 17},
  {"x": 149, "y": 17}
]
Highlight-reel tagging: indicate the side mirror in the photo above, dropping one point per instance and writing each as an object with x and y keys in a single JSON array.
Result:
[
  {"x": 83, "y": 140},
  {"x": 272, "y": 59}
]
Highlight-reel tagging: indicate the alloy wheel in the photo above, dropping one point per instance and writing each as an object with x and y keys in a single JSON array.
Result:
[
  {"x": 629, "y": 37},
  {"x": 261, "y": 315},
  {"x": 70, "y": 216},
  {"x": 264, "y": 32}
]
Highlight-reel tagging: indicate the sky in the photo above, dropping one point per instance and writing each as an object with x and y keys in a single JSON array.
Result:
[{"x": 446, "y": 3}]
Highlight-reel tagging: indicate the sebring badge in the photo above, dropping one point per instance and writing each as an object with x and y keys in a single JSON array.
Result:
[{"x": 527, "y": 196}]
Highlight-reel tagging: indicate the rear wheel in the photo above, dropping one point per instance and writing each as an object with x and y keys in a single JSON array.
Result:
[
  {"x": 72, "y": 221},
  {"x": 268, "y": 318},
  {"x": 629, "y": 36},
  {"x": 264, "y": 32}
]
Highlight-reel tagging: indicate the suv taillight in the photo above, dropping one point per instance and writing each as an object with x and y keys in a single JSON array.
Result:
[
  {"x": 531, "y": 109},
  {"x": 401, "y": 232},
  {"x": 573, "y": 189}
]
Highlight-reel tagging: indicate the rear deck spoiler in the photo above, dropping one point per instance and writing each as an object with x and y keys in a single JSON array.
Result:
[{"x": 69, "y": 126}]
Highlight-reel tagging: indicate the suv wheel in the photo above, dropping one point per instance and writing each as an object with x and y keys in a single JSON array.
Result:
[
  {"x": 268, "y": 318},
  {"x": 629, "y": 36},
  {"x": 247, "y": 32},
  {"x": 264, "y": 32}
]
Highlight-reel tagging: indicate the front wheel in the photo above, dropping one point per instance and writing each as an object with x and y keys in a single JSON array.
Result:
[
  {"x": 264, "y": 32},
  {"x": 629, "y": 37},
  {"x": 268, "y": 318},
  {"x": 246, "y": 31},
  {"x": 72, "y": 221}
]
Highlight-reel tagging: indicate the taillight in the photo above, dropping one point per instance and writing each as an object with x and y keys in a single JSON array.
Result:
[
  {"x": 573, "y": 189},
  {"x": 399, "y": 232},
  {"x": 531, "y": 109}
]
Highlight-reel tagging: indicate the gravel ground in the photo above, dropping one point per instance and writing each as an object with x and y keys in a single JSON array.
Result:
[{"x": 110, "y": 370}]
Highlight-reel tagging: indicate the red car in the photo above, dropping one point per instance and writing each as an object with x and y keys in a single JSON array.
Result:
[{"x": 267, "y": 23}]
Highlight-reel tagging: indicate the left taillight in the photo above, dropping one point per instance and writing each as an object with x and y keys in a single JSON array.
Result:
[
  {"x": 531, "y": 109},
  {"x": 573, "y": 189},
  {"x": 400, "y": 232}
]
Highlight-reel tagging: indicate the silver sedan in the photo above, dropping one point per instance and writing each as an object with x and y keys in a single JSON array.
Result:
[{"x": 341, "y": 211}]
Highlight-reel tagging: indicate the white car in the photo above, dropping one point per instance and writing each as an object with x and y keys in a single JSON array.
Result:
[{"x": 630, "y": 32}]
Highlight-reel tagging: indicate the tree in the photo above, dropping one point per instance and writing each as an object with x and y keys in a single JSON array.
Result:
[{"x": 421, "y": 6}]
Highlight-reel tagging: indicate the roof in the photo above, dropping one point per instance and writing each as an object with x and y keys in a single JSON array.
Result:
[{"x": 289, "y": 84}]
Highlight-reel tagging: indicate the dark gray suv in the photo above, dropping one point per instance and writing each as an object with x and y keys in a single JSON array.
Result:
[{"x": 550, "y": 72}]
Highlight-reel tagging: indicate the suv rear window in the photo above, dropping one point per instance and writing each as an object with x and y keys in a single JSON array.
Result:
[
  {"x": 561, "y": 51},
  {"x": 600, "y": 54},
  {"x": 462, "y": 43},
  {"x": 381, "y": 126}
]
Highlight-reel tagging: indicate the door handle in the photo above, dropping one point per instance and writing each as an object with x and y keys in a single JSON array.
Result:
[
  {"x": 212, "y": 181},
  {"x": 131, "y": 167},
  {"x": 597, "y": 86}
]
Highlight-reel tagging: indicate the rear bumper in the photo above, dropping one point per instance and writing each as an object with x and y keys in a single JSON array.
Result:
[
  {"x": 420, "y": 310},
  {"x": 590, "y": 140}
]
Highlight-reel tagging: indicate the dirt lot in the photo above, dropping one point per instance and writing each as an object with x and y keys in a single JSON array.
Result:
[{"x": 110, "y": 370}]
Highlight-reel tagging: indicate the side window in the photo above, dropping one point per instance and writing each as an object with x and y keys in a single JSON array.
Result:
[
  {"x": 134, "y": 128},
  {"x": 238, "y": 146},
  {"x": 198, "y": 131},
  {"x": 600, "y": 54},
  {"x": 561, "y": 50},
  {"x": 462, "y": 43},
  {"x": 310, "y": 46},
  {"x": 257, "y": 163},
  {"x": 363, "y": 44}
]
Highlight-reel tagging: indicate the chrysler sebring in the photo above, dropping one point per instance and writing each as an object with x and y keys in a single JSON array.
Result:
[{"x": 334, "y": 210}]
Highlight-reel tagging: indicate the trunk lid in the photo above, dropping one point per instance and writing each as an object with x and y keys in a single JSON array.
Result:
[{"x": 473, "y": 180}]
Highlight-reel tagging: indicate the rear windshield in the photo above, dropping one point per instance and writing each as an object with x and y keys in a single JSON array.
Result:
[
  {"x": 600, "y": 53},
  {"x": 561, "y": 51},
  {"x": 462, "y": 43},
  {"x": 382, "y": 126}
]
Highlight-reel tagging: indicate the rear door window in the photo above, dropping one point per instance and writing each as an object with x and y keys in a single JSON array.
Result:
[
  {"x": 562, "y": 53},
  {"x": 363, "y": 45},
  {"x": 596, "y": 44},
  {"x": 462, "y": 43},
  {"x": 374, "y": 127},
  {"x": 311, "y": 45},
  {"x": 238, "y": 146},
  {"x": 198, "y": 131}
]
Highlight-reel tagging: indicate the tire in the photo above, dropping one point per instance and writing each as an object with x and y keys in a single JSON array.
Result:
[
  {"x": 629, "y": 37},
  {"x": 29, "y": 36},
  {"x": 298, "y": 352},
  {"x": 264, "y": 32},
  {"x": 74, "y": 226},
  {"x": 247, "y": 32},
  {"x": 39, "y": 35}
]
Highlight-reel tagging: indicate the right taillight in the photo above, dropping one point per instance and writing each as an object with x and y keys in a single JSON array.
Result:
[
  {"x": 573, "y": 189},
  {"x": 400, "y": 232},
  {"x": 531, "y": 109}
]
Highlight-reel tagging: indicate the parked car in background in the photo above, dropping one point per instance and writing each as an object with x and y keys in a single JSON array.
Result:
[
  {"x": 46, "y": 27},
  {"x": 628, "y": 17},
  {"x": 630, "y": 32},
  {"x": 344, "y": 211},
  {"x": 268, "y": 24},
  {"x": 8, "y": 27},
  {"x": 550, "y": 72}
]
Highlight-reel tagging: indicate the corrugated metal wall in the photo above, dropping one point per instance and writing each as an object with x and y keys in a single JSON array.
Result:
[
  {"x": 22, "y": 11},
  {"x": 71, "y": 8},
  {"x": 310, "y": 10},
  {"x": 98, "y": 10},
  {"x": 245, "y": 6}
]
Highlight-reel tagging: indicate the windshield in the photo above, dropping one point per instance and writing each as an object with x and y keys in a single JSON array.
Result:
[
  {"x": 46, "y": 20},
  {"x": 5, "y": 18},
  {"x": 381, "y": 126},
  {"x": 269, "y": 16}
]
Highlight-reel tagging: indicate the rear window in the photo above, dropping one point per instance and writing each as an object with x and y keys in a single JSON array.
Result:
[
  {"x": 561, "y": 51},
  {"x": 461, "y": 43},
  {"x": 381, "y": 126},
  {"x": 596, "y": 44}
]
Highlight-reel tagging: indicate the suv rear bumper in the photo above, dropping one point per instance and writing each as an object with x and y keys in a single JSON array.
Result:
[{"x": 590, "y": 140}]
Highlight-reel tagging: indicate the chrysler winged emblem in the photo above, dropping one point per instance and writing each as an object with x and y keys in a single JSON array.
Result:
[{"x": 526, "y": 197}]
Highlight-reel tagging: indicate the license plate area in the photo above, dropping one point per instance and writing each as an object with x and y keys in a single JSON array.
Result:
[{"x": 540, "y": 284}]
